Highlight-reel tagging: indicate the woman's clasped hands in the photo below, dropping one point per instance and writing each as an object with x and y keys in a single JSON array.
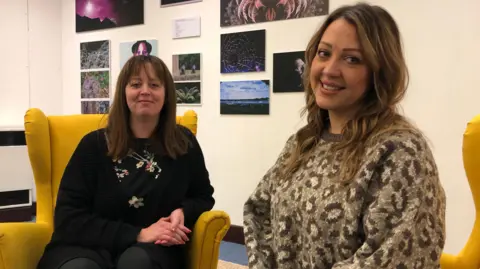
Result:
[{"x": 166, "y": 231}]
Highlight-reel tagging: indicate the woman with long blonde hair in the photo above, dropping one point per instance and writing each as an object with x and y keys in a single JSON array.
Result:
[{"x": 358, "y": 186}]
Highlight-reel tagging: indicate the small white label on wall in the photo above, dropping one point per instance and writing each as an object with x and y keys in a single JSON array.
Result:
[{"x": 186, "y": 27}]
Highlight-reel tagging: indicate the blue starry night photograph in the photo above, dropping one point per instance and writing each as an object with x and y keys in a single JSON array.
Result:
[
  {"x": 242, "y": 52},
  {"x": 248, "y": 97}
]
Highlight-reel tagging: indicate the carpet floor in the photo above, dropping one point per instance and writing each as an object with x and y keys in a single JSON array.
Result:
[{"x": 229, "y": 265}]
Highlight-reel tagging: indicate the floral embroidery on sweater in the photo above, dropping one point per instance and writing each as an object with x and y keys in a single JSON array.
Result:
[
  {"x": 136, "y": 202},
  {"x": 146, "y": 161},
  {"x": 134, "y": 163}
]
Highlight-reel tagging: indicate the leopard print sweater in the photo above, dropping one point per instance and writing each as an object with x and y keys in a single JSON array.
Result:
[{"x": 391, "y": 215}]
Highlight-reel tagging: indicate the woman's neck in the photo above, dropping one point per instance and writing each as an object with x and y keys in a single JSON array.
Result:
[
  {"x": 143, "y": 128},
  {"x": 338, "y": 121},
  {"x": 336, "y": 124}
]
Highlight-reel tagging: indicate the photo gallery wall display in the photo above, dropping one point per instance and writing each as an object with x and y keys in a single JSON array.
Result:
[
  {"x": 288, "y": 71},
  {"x": 99, "y": 15},
  {"x": 95, "y": 77},
  {"x": 247, "y": 97},
  {"x": 242, "y": 12},
  {"x": 242, "y": 52},
  {"x": 167, "y": 3},
  {"x": 186, "y": 71},
  {"x": 137, "y": 47}
]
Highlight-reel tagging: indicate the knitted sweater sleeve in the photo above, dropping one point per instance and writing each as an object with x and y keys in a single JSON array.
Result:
[
  {"x": 257, "y": 221},
  {"x": 404, "y": 218}
]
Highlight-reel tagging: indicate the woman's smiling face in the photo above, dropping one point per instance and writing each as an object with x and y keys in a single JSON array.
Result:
[{"x": 338, "y": 75}]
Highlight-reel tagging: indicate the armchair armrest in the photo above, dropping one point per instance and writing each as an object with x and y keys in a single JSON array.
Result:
[
  {"x": 448, "y": 261},
  {"x": 22, "y": 244},
  {"x": 208, "y": 233}
]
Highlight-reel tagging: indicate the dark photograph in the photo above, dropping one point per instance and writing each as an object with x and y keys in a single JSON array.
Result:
[
  {"x": 95, "y": 55},
  {"x": 288, "y": 69},
  {"x": 242, "y": 52},
  {"x": 188, "y": 93},
  {"x": 104, "y": 14},
  {"x": 241, "y": 12},
  {"x": 166, "y": 3},
  {"x": 249, "y": 97}
]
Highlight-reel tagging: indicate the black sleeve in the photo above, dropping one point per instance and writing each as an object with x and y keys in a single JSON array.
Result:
[
  {"x": 199, "y": 197},
  {"x": 74, "y": 221}
]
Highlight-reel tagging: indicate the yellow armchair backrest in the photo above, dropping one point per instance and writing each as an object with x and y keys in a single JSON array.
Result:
[
  {"x": 469, "y": 257},
  {"x": 51, "y": 141}
]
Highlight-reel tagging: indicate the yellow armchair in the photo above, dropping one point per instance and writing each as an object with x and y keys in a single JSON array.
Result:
[
  {"x": 469, "y": 256},
  {"x": 51, "y": 141}
]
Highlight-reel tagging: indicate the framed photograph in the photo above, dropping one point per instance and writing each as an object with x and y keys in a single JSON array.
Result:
[
  {"x": 167, "y": 3},
  {"x": 188, "y": 93},
  {"x": 95, "y": 84},
  {"x": 248, "y": 97},
  {"x": 288, "y": 69},
  {"x": 242, "y": 52},
  {"x": 95, "y": 55},
  {"x": 242, "y": 12},
  {"x": 186, "y": 67},
  {"x": 99, "y": 15},
  {"x": 95, "y": 107},
  {"x": 137, "y": 47}
]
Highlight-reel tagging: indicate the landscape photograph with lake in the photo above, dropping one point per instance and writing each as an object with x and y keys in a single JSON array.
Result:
[{"x": 248, "y": 97}]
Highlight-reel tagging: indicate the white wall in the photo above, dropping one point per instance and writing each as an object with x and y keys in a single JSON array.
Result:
[
  {"x": 46, "y": 74},
  {"x": 30, "y": 69},
  {"x": 441, "y": 42},
  {"x": 14, "y": 74}
]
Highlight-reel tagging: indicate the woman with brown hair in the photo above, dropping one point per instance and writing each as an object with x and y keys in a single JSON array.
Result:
[
  {"x": 132, "y": 192},
  {"x": 357, "y": 187}
]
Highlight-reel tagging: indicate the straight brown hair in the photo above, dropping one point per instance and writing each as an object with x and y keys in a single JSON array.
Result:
[{"x": 167, "y": 139}]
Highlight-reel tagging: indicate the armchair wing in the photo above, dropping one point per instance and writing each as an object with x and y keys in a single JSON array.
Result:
[
  {"x": 22, "y": 244},
  {"x": 469, "y": 256},
  {"x": 50, "y": 143}
]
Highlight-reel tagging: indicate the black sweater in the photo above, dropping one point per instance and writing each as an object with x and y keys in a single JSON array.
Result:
[{"x": 103, "y": 204}]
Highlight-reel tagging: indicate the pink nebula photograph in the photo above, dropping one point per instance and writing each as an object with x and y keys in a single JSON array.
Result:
[{"x": 94, "y": 15}]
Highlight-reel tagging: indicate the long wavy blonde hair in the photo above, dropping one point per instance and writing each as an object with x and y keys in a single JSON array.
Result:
[{"x": 381, "y": 45}]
